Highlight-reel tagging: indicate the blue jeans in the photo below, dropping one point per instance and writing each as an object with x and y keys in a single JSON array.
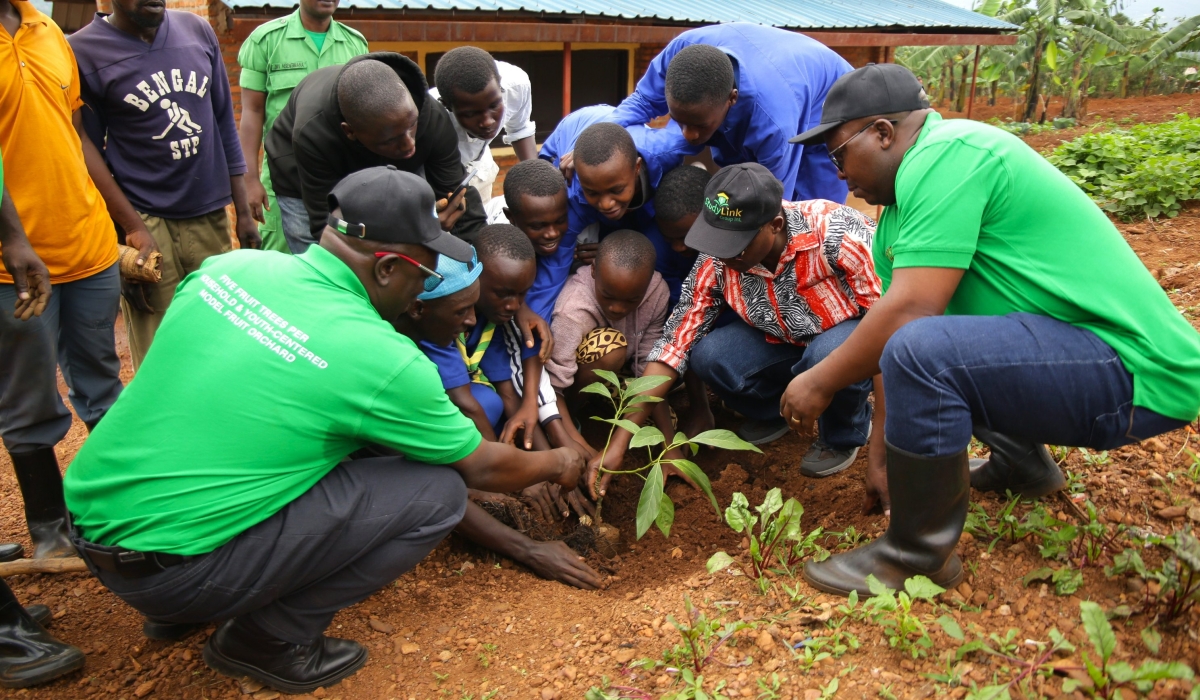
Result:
[
  {"x": 1024, "y": 375},
  {"x": 750, "y": 375},
  {"x": 74, "y": 333},
  {"x": 296, "y": 229}
]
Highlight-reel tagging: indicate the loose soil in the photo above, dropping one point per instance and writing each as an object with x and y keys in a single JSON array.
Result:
[{"x": 466, "y": 625}]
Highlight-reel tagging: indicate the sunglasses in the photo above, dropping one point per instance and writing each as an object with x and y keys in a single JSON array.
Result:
[
  {"x": 835, "y": 155},
  {"x": 432, "y": 278}
]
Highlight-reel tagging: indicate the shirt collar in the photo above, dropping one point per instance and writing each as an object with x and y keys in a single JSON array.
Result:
[
  {"x": 333, "y": 269},
  {"x": 295, "y": 28},
  {"x": 29, "y": 13}
]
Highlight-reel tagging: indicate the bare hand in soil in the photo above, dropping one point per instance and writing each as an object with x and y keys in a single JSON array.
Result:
[
  {"x": 556, "y": 561},
  {"x": 571, "y": 467},
  {"x": 612, "y": 462},
  {"x": 803, "y": 402},
  {"x": 580, "y": 503},
  {"x": 877, "y": 484},
  {"x": 545, "y": 499}
]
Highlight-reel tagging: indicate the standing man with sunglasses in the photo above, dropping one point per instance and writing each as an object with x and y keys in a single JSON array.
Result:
[
  {"x": 799, "y": 276},
  {"x": 249, "y": 513},
  {"x": 1013, "y": 310}
]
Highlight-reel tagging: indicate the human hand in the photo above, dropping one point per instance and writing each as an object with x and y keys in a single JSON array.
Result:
[
  {"x": 247, "y": 232},
  {"x": 450, "y": 209},
  {"x": 556, "y": 561},
  {"x": 525, "y": 419},
  {"x": 586, "y": 252},
  {"x": 256, "y": 197},
  {"x": 571, "y": 466},
  {"x": 141, "y": 239},
  {"x": 30, "y": 278},
  {"x": 877, "y": 482},
  {"x": 546, "y": 500},
  {"x": 135, "y": 293},
  {"x": 566, "y": 164},
  {"x": 531, "y": 323},
  {"x": 803, "y": 402},
  {"x": 611, "y": 461}
]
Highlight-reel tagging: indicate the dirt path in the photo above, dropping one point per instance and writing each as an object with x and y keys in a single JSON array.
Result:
[{"x": 464, "y": 626}]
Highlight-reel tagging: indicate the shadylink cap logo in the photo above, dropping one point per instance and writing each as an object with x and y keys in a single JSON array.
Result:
[{"x": 720, "y": 208}]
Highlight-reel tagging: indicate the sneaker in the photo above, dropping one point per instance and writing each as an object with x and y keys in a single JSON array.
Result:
[
  {"x": 822, "y": 460},
  {"x": 761, "y": 432}
]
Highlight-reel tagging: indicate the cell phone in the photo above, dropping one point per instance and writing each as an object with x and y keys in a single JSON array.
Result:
[{"x": 471, "y": 172}]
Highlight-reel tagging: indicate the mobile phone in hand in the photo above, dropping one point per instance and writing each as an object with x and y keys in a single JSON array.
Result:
[{"x": 471, "y": 172}]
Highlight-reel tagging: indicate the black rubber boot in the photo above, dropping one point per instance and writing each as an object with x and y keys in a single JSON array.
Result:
[
  {"x": 45, "y": 510},
  {"x": 929, "y": 507},
  {"x": 239, "y": 648},
  {"x": 1021, "y": 466},
  {"x": 11, "y": 552},
  {"x": 167, "y": 631},
  {"x": 28, "y": 654}
]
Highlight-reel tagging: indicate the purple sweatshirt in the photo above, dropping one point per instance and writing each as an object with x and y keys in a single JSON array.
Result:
[{"x": 161, "y": 113}]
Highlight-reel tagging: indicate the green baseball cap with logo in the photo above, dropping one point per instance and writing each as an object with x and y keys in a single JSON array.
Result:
[{"x": 738, "y": 201}]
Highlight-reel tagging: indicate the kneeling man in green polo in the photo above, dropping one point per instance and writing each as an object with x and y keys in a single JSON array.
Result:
[{"x": 218, "y": 486}]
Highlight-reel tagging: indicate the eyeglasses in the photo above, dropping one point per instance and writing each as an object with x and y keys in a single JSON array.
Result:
[
  {"x": 432, "y": 278},
  {"x": 833, "y": 153}
]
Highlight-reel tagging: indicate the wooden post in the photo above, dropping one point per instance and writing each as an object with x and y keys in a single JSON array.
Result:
[
  {"x": 566, "y": 78},
  {"x": 974, "y": 72},
  {"x": 42, "y": 566}
]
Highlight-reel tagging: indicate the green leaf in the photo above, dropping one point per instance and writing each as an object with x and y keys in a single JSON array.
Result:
[
  {"x": 634, "y": 401},
  {"x": 973, "y": 645},
  {"x": 610, "y": 377},
  {"x": 644, "y": 384},
  {"x": 789, "y": 519},
  {"x": 596, "y": 388},
  {"x": 1154, "y": 670},
  {"x": 1051, "y": 55},
  {"x": 951, "y": 627},
  {"x": 990, "y": 692},
  {"x": 725, "y": 439},
  {"x": 647, "y": 435},
  {"x": 718, "y": 562},
  {"x": 666, "y": 515},
  {"x": 621, "y": 422},
  {"x": 650, "y": 500},
  {"x": 1037, "y": 575},
  {"x": 1099, "y": 631},
  {"x": 694, "y": 473},
  {"x": 921, "y": 587},
  {"x": 771, "y": 504},
  {"x": 1152, "y": 639},
  {"x": 1067, "y": 580},
  {"x": 877, "y": 587}
]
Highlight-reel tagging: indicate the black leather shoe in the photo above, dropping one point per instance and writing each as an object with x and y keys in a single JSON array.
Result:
[
  {"x": 1023, "y": 467},
  {"x": 39, "y": 613},
  {"x": 167, "y": 631},
  {"x": 238, "y": 648},
  {"x": 28, "y": 654},
  {"x": 11, "y": 552},
  {"x": 45, "y": 510},
  {"x": 929, "y": 507}
]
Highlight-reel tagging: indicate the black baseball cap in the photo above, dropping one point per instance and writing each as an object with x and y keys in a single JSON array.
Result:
[
  {"x": 738, "y": 201},
  {"x": 876, "y": 88},
  {"x": 387, "y": 205}
]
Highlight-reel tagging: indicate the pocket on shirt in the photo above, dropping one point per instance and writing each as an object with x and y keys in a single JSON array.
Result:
[{"x": 285, "y": 79}]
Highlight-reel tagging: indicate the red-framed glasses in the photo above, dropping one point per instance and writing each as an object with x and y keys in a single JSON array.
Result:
[{"x": 432, "y": 278}]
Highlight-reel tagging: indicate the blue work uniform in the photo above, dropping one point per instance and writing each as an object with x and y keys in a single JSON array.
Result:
[
  {"x": 782, "y": 78},
  {"x": 661, "y": 150},
  {"x": 452, "y": 368}
]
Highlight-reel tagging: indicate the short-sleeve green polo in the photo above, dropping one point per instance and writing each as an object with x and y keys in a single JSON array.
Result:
[
  {"x": 267, "y": 371},
  {"x": 973, "y": 197}
]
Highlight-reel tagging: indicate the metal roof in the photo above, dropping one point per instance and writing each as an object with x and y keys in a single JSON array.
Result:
[{"x": 796, "y": 14}]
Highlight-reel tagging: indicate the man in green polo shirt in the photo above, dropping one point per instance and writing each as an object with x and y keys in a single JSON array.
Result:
[
  {"x": 1012, "y": 308},
  {"x": 274, "y": 59},
  {"x": 235, "y": 501}
]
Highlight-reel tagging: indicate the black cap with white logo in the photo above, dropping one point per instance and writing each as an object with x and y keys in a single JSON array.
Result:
[
  {"x": 738, "y": 201},
  {"x": 883, "y": 88},
  {"x": 387, "y": 205}
]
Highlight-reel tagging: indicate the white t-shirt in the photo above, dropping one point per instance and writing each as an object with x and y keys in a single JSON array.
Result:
[{"x": 518, "y": 107}]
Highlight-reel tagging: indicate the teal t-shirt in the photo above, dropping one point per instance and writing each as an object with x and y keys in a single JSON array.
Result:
[
  {"x": 973, "y": 197},
  {"x": 267, "y": 371}
]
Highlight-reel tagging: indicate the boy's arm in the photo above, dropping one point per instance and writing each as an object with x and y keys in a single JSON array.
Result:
[
  {"x": 462, "y": 397},
  {"x": 525, "y": 417},
  {"x": 551, "y": 560}
]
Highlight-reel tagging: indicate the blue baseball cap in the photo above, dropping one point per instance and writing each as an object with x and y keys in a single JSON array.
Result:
[{"x": 457, "y": 276}]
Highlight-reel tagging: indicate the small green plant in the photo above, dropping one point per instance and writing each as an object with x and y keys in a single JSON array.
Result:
[
  {"x": 769, "y": 690},
  {"x": 693, "y": 688},
  {"x": 1065, "y": 579},
  {"x": 654, "y": 506},
  {"x": 893, "y": 611},
  {"x": 777, "y": 546},
  {"x": 1094, "y": 459},
  {"x": 1084, "y": 545},
  {"x": 810, "y": 653},
  {"x": 1178, "y": 577},
  {"x": 1006, "y": 649},
  {"x": 702, "y": 639},
  {"x": 1109, "y": 676},
  {"x": 829, "y": 689},
  {"x": 485, "y": 658}
]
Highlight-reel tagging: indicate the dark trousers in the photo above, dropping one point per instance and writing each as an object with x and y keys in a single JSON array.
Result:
[
  {"x": 75, "y": 332},
  {"x": 359, "y": 528},
  {"x": 750, "y": 375},
  {"x": 1023, "y": 375}
]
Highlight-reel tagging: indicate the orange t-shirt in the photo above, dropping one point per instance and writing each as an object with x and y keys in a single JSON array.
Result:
[{"x": 63, "y": 213}]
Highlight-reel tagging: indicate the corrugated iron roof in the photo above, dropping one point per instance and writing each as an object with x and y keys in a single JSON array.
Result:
[{"x": 795, "y": 14}]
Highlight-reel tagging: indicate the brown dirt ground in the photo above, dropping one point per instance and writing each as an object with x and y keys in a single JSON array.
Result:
[{"x": 475, "y": 627}]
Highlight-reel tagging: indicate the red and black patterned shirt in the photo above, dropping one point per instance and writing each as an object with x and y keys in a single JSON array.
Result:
[{"x": 825, "y": 276}]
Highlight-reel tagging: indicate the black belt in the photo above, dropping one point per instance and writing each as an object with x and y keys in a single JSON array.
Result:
[{"x": 133, "y": 564}]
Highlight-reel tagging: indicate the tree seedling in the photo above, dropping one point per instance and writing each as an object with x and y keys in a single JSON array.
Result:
[
  {"x": 1108, "y": 676},
  {"x": 893, "y": 611},
  {"x": 654, "y": 506},
  {"x": 702, "y": 639},
  {"x": 1178, "y": 578},
  {"x": 777, "y": 546}
]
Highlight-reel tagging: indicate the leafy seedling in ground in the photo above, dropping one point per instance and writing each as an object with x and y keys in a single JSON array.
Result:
[
  {"x": 654, "y": 506},
  {"x": 702, "y": 639},
  {"x": 1108, "y": 676},
  {"x": 777, "y": 546},
  {"x": 893, "y": 611},
  {"x": 1176, "y": 583}
]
